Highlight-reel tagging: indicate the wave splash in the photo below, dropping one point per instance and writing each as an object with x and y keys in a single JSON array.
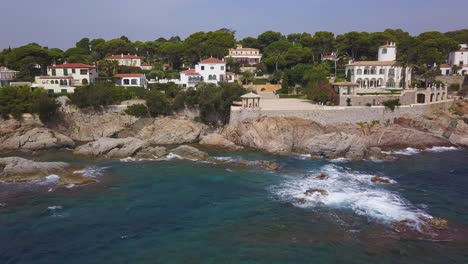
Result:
[{"x": 344, "y": 189}]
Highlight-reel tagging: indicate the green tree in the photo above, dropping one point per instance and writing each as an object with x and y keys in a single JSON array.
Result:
[
  {"x": 158, "y": 103},
  {"x": 268, "y": 37},
  {"x": 247, "y": 77}
]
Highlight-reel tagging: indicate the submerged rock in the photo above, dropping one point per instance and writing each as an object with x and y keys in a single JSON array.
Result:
[
  {"x": 433, "y": 229},
  {"x": 152, "y": 153},
  {"x": 380, "y": 180},
  {"x": 189, "y": 152},
  {"x": 322, "y": 176},
  {"x": 318, "y": 191},
  {"x": 269, "y": 164}
]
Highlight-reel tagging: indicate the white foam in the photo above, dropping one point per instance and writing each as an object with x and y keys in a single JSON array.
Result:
[
  {"x": 48, "y": 180},
  {"x": 303, "y": 156},
  {"x": 91, "y": 172},
  {"x": 55, "y": 207},
  {"x": 172, "y": 156},
  {"x": 441, "y": 149},
  {"x": 128, "y": 159},
  {"x": 340, "y": 160},
  {"x": 348, "y": 190},
  {"x": 406, "y": 152},
  {"x": 70, "y": 186}
]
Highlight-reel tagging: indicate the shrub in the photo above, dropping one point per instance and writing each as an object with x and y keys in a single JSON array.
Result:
[
  {"x": 137, "y": 92},
  {"x": 321, "y": 92},
  {"x": 158, "y": 103},
  {"x": 98, "y": 95},
  {"x": 454, "y": 87},
  {"x": 44, "y": 105},
  {"x": 391, "y": 104},
  {"x": 179, "y": 102},
  {"x": 138, "y": 110}
]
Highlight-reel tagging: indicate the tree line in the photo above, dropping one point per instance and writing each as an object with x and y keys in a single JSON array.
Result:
[{"x": 296, "y": 51}]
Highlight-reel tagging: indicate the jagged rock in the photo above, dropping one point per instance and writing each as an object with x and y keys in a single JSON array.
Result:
[
  {"x": 281, "y": 135},
  {"x": 30, "y": 135},
  {"x": 335, "y": 145},
  {"x": 269, "y": 164},
  {"x": 90, "y": 125},
  {"x": 152, "y": 153},
  {"x": 433, "y": 229},
  {"x": 380, "y": 180},
  {"x": 170, "y": 131},
  {"x": 76, "y": 179},
  {"x": 438, "y": 222},
  {"x": 322, "y": 176},
  {"x": 217, "y": 140},
  {"x": 314, "y": 191},
  {"x": 189, "y": 152},
  {"x": 111, "y": 147},
  {"x": 16, "y": 169}
]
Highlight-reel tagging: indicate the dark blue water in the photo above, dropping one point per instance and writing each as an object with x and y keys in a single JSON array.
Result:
[{"x": 185, "y": 212}]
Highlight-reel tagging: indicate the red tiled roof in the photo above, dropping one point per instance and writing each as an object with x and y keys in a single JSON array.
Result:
[
  {"x": 55, "y": 77},
  {"x": 72, "y": 65},
  {"x": 213, "y": 60},
  {"x": 190, "y": 72},
  {"x": 129, "y": 75},
  {"x": 123, "y": 56},
  {"x": 374, "y": 63},
  {"x": 445, "y": 66}
]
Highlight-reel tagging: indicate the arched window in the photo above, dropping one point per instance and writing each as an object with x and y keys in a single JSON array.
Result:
[
  {"x": 126, "y": 81},
  {"x": 382, "y": 71},
  {"x": 210, "y": 77},
  {"x": 84, "y": 81},
  {"x": 384, "y": 51},
  {"x": 391, "y": 83},
  {"x": 214, "y": 77},
  {"x": 134, "y": 81},
  {"x": 391, "y": 72},
  {"x": 366, "y": 70},
  {"x": 374, "y": 70},
  {"x": 359, "y": 72}
]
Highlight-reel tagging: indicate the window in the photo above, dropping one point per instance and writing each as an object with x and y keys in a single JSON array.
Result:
[
  {"x": 83, "y": 72},
  {"x": 73, "y": 71},
  {"x": 384, "y": 51},
  {"x": 210, "y": 77},
  {"x": 381, "y": 71},
  {"x": 65, "y": 72},
  {"x": 212, "y": 67},
  {"x": 359, "y": 72},
  {"x": 391, "y": 72},
  {"x": 366, "y": 70},
  {"x": 134, "y": 82},
  {"x": 214, "y": 77},
  {"x": 54, "y": 72},
  {"x": 461, "y": 63},
  {"x": 84, "y": 81},
  {"x": 126, "y": 81},
  {"x": 202, "y": 68},
  {"x": 222, "y": 68}
]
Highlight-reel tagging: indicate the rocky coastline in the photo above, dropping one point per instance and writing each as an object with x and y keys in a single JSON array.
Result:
[{"x": 115, "y": 135}]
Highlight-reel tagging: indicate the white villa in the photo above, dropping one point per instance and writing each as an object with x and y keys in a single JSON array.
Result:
[
  {"x": 6, "y": 76},
  {"x": 459, "y": 58},
  {"x": 130, "y": 80},
  {"x": 63, "y": 78},
  {"x": 209, "y": 71},
  {"x": 385, "y": 73},
  {"x": 245, "y": 56},
  {"x": 130, "y": 60}
]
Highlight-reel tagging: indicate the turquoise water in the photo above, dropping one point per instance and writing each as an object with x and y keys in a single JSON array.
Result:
[{"x": 179, "y": 211}]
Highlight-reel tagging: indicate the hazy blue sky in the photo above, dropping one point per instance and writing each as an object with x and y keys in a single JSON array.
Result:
[{"x": 60, "y": 23}]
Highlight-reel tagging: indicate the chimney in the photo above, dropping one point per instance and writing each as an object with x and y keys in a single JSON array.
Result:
[{"x": 121, "y": 55}]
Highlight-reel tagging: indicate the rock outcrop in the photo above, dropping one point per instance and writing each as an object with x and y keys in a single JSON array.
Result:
[
  {"x": 16, "y": 169},
  {"x": 111, "y": 147},
  {"x": 190, "y": 153},
  {"x": 30, "y": 135},
  {"x": 170, "y": 131},
  {"x": 91, "y": 125},
  {"x": 335, "y": 145},
  {"x": 218, "y": 141}
]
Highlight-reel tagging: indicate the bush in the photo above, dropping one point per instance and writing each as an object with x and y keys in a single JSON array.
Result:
[
  {"x": 16, "y": 101},
  {"x": 158, "y": 103},
  {"x": 391, "y": 104},
  {"x": 99, "y": 95},
  {"x": 138, "y": 110},
  {"x": 454, "y": 87},
  {"x": 179, "y": 102},
  {"x": 322, "y": 92},
  {"x": 260, "y": 81},
  {"x": 137, "y": 92}
]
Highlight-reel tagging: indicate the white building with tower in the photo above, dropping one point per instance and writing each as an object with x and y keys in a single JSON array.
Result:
[
  {"x": 6, "y": 76},
  {"x": 385, "y": 73},
  {"x": 457, "y": 58},
  {"x": 245, "y": 56}
]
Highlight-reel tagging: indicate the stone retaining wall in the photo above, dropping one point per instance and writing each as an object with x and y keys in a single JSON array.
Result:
[{"x": 334, "y": 115}]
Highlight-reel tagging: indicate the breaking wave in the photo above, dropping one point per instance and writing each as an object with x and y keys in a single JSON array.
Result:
[
  {"x": 441, "y": 149},
  {"x": 91, "y": 172},
  {"x": 348, "y": 190}
]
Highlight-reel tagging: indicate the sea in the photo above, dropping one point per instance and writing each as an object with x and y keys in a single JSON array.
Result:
[{"x": 182, "y": 211}]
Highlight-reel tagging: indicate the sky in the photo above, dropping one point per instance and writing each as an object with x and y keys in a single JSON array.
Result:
[{"x": 61, "y": 23}]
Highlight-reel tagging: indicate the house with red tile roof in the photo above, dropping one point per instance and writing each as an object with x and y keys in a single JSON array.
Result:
[
  {"x": 130, "y": 79},
  {"x": 130, "y": 60},
  {"x": 210, "y": 70},
  {"x": 63, "y": 78}
]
